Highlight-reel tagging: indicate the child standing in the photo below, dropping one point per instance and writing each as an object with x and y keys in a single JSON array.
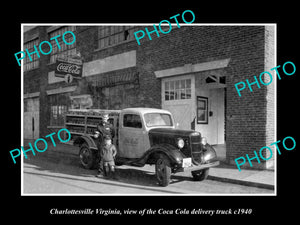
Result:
[{"x": 107, "y": 154}]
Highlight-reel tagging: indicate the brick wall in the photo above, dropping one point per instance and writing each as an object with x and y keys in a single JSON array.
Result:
[
  {"x": 270, "y": 95},
  {"x": 246, "y": 115}
]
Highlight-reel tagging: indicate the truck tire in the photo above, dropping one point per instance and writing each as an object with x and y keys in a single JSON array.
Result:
[
  {"x": 200, "y": 175},
  {"x": 163, "y": 170},
  {"x": 87, "y": 156}
]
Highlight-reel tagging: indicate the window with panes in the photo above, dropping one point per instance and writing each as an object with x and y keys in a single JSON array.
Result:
[
  {"x": 177, "y": 89},
  {"x": 111, "y": 35},
  {"x": 59, "y": 104},
  {"x": 65, "y": 50},
  {"x": 34, "y": 62}
]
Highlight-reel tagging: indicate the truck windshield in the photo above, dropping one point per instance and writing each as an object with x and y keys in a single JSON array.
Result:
[{"x": 158, "y": 119}]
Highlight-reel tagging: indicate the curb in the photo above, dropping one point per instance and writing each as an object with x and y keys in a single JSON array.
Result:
[{"x": 241, "y": 182}]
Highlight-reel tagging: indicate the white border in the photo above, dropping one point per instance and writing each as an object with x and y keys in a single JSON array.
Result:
[
  {"x": 22, "y": 111},
  {"x": 149, "y": 24}
]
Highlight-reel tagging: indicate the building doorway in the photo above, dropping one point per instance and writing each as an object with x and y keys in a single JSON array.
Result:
[
  {"x": 197, "y": 102},
  {"x": 31, "y": 118},
  {"x": 217, "y": 115},
  {"x": 202, "y": 107},
  {"x": 211, "y": 85},
  {"x": 178, "y": 97}
]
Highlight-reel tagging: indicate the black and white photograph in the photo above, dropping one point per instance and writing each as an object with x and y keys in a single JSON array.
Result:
[
  {"x": 174, "y": 112},
  {"x": 144, "y": 109}
]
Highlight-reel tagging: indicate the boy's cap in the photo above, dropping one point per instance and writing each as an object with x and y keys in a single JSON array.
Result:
[{"x": 105, "y": 116}]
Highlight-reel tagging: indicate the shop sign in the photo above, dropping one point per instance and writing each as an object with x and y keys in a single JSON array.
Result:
[{"x": 68, "y": 66}]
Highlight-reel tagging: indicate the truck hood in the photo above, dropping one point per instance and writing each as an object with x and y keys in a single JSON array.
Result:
[{"x": 171, "y": 131}]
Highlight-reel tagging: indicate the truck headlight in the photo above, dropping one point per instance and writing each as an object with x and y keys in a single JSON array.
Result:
[
  {"x": 208, "y": 156},
  {"x": 180, "y": 143}
]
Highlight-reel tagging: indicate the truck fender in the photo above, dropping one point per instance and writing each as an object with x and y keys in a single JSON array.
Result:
[
  {"x": 209, "y": 153},
  {"x": 174, "y": 154},
  {"x": 86, "y": 139}
]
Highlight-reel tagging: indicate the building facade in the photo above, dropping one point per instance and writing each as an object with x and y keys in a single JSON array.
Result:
[{"x": 190, "y": 71}]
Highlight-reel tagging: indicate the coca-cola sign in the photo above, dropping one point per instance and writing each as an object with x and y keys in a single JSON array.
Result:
[{"x": 65, "y": 67}]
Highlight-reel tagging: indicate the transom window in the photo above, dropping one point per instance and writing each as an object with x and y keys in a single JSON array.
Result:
[{"x": 178, "y": 89}]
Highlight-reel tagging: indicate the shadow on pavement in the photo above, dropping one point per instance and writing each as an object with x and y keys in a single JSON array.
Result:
[{"x": 60, "y": 163}]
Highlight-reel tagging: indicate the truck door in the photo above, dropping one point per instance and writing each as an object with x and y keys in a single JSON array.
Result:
[{"x": 131, "y": 136}]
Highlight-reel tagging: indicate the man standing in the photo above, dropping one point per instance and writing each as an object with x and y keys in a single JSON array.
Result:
[{"x": 105, "y": 129}]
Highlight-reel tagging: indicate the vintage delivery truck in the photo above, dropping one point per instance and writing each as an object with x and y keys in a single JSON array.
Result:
[{"x": 143, "y": 136}]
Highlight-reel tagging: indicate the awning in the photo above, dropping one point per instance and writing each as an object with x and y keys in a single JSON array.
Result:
[{"x": 192, "y": 68}]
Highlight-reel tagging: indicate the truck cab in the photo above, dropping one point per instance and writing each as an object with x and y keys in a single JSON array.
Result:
[
  {"x": 148, "y": 136},
  {"x": 135, "y": 124}
]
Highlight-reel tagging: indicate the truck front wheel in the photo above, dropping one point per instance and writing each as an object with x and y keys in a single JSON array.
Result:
[
  {"x": 200, "y": 175},
  {"x": 163, "y": 170},
  {"x": 87, "y": 156}
]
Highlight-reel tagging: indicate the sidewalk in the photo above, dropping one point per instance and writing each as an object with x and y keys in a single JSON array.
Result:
[
  {"x": 249, "y": 177},
  {"x": 224, "y": 172}
]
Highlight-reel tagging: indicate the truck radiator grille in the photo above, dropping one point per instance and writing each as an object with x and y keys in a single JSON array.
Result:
[{"x": 196, "y": 149}]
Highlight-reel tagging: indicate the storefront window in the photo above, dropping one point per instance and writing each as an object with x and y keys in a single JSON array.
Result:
[
  {"x": 59, "y": 104},
  {"x": 178, "y": 89}
]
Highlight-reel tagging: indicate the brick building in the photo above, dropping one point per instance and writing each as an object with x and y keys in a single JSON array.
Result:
[{"x": 190, "y": 71}]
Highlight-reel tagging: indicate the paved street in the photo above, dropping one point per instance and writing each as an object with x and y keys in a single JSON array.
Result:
[{"x": 54, "y": 175}]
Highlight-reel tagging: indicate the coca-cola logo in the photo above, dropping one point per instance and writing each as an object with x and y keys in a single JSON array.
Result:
[{"x": 68, "y": 68}]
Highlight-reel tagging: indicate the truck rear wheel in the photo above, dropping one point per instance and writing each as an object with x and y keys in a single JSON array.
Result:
[
  {"x": 200, "y": 175},
  {"x": 163, "y": 170},
  {"x": 87, "y": 156}
]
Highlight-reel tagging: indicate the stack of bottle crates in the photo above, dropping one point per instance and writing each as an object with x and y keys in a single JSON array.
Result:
[{"x": 85, "y": 121}]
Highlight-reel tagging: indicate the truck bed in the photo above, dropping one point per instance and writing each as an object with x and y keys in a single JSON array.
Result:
[{"x": 84, "y": 121}]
